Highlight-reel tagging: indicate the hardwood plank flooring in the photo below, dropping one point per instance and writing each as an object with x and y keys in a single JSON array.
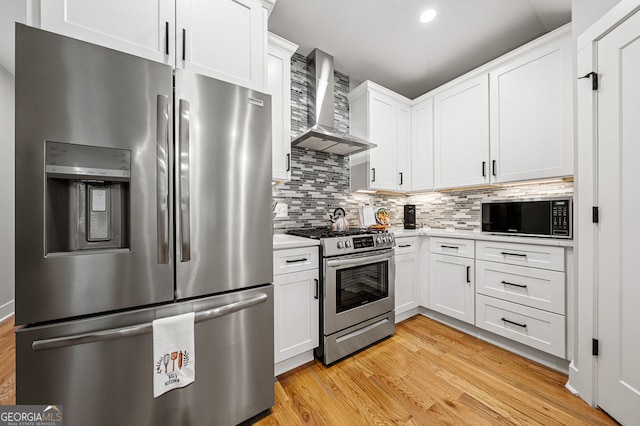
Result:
[
  {"x": 426, "y": 374},
  {"x": 429, "y": 374},
  {"x": 7, "y": 362}
]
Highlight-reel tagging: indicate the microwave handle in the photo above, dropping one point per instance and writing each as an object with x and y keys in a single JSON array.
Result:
[{"x": 359, "y": 260}]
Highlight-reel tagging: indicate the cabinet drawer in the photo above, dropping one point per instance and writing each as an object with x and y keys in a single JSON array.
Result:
[
  {"x": 533, "y": 327},
  {"x": 537, "y": 288},
  {"x": 452, "y": 247},
  {"x": 544, "y": 257},
  {"x": 295, "y": 260},
  {"x": 406, "y": 245}
]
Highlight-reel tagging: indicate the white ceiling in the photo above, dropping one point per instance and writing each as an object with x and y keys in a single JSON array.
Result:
[{"x": 383, "y": 40}]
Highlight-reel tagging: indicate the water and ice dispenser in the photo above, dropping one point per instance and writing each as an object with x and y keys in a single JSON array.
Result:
[{"x": 87, "y": 197}]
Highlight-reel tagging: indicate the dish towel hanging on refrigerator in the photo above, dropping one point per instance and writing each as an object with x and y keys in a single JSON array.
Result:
[{"x": 174, "y": 362}]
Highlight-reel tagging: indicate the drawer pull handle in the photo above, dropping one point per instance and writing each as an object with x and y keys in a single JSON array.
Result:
[
  {"x": 450, "y": 247},
  {"x": 304, "y": 259},
  {"x": 404, "y": 245},
  {"x": 506, "y": 253},
  {"x": 514, "y": 323},
  {"x": 514, "y": 285}
]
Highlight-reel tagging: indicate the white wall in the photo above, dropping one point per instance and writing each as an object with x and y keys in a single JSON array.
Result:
[{"x": 7, "y": 218}]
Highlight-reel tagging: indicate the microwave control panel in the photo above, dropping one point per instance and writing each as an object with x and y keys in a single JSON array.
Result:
[{"x": 560, "y": 217}]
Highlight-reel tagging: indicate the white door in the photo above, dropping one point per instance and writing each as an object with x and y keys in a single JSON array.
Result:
[
  {"x": 451, "y": 287},
  {"x": 403, "y": 147},
  {"x": 406, "y": 290},
  {"x": 382, "y": 132},
  {"x": 619, "y": 228},
  {"x": 224, "y": 39},
  {"x": 531, "y": 120},
  {"x": 422, "y": 146},
  {"x": 296, "y": 317},
  {"x": 461, "y": 134},
  {"x": 143, "y": 28}
]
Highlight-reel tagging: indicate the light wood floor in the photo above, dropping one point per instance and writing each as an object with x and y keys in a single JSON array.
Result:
[
  {"x": 429, "y": 374},
  {"x": 426, "y": 374}
]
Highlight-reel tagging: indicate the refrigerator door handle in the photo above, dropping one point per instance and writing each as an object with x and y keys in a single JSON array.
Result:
[
  {"x": 162, "y": 178},
  {"x": 183, "y": 141},
  {"x": 135, "y": 330}
]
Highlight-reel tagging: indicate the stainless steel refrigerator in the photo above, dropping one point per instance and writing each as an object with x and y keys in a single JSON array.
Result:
[{"x": 142, "y": 191}]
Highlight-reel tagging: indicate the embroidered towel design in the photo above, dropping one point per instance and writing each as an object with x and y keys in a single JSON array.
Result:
[{"x": 174, "y": 362}]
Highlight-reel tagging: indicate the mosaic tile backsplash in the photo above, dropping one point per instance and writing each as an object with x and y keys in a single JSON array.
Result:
[{"x": 320, "y": 181}]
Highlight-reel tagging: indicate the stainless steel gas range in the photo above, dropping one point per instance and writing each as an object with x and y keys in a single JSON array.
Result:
[{"x": 357, "y": 276}]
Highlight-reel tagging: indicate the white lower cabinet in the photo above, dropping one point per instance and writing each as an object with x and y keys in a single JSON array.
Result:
[
  {"x": 520, "y": 293},
  {"x": 451, "y": 282},
  {"x": 533, "y": 327},
  {"x": 407, "y": 283},
  {"x": 296, "y": 304}
]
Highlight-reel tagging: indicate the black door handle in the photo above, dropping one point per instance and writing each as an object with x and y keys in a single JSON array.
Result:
[
  {"x": 317, "y": 288},
  {"x": 166, "y": 38},
  {"x": 484, "y": 169},
  {"x": 184, "y": 44},
  {"x": 468, "y": 274},
  {"x": 514, "y": 323}
]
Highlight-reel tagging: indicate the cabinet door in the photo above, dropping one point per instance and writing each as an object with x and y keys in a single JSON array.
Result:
[
  {"x": 143, "y": 28},
  {"x": 279, "y": 87},
  {"x": 296, "y": 313},
  {"x": 382, "y": 132},
  {"x": 407, "y": 275},
  {"x": 451, "y": 287},
  {"x": 461, "y": 138},
  {"x": 224, "y": 39},
  {"x": 531, "y": 115},
  {"x": 403, "y": 147},
  {"x": 422, "y": 146}
]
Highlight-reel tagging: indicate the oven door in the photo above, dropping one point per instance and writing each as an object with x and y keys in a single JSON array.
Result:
[{"x": 357, "y": 288}]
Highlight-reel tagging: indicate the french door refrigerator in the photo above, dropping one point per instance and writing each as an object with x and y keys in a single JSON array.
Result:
[{"x": 142, "y": 192}]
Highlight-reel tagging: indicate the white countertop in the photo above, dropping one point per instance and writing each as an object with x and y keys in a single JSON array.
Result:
[
  {"x": 477, "y": 235},
  {"x": 286, "y": 241}
]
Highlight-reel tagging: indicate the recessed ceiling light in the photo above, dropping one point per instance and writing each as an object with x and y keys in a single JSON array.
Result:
[{"x": 427, "y": 15}]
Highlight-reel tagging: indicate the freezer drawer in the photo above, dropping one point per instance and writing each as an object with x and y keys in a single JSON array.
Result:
[{"x": 101, "y": 369}]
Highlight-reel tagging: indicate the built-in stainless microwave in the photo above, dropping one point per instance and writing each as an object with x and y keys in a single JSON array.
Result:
[{"x": 542, "y": 217}]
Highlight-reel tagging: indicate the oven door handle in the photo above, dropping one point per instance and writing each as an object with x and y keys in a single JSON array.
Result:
[{"x": 359, "y": 260}]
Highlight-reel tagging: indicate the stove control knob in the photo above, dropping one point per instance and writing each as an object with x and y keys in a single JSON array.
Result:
[
  {"x": 347, "y": 244},
  {"x": 340, "y": 244},
  {"x": 379, "y": 240},
  {"x": 390, "y": 238},
  {"x": 385, "y": 239}
]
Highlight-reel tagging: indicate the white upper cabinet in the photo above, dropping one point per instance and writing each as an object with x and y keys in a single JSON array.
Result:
[
  {"x": 422, "y": 146},
  {"x": 224, "y": 39},
  {"x": 531, "y": 115},
  {"x": 143, "y": 28},
  {"x": 383, "y": 118},
  {"x": 279, "y": 87},
  {"x": 461, "y": 134}
]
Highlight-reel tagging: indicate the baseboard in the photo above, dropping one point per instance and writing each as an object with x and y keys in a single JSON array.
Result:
[
  {"x": 293, "y": 362},
  {"x": 406, "y": 315},
  {"x": 548, "y": 360},
  {"x": 7, "y": 310}
]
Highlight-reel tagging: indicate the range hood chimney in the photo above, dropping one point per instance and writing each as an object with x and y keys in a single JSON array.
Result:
[{"x": 321, "y": 134}]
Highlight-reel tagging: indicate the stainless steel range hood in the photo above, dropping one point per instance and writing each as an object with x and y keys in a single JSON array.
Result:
[{"x": 321, "y": 134}]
